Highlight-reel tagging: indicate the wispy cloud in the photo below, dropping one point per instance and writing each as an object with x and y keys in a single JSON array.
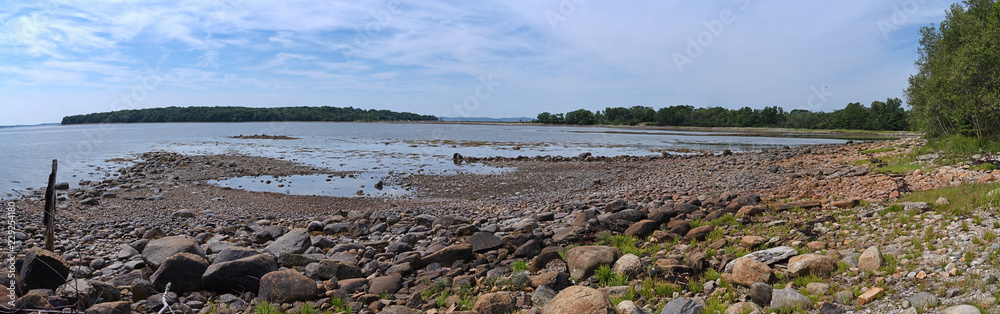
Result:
[{"x": 424, "y": 56}]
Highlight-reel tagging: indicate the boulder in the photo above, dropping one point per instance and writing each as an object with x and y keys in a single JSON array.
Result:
[
  {"x": 924, "y": 300},
  {"x": 483, "y": 241},
  {"x": 333, "y": 269},
  {"x": 548, "y": 254},
  {"x": 871, "y": 259},
  {"x": 233, "y": 253},
  {"x": 768, "y": 256},
  {"x": 579, "y": 299},
  {"x": 629, "y": 307},
  {"x": 629, "y": 265},
  {"x": 745, "y": 308},
  {"x": 120, "y": 307},
  {"x": 385, "y": 284},
  {"x": 32, "y": 301},
  {"x": 296, "y": 241},
  {"x": 182, "y": 270},
  {"x": 805, "y": 264},
  {"x": 398, "y": 309},
  {"x": 699, "y": 233},
  {"x": 583, "y": 260},
  {"x": 495, "y": 303},
  {"x": 238, "y": 275},
  {"x": 286, "y": 286},
  {"x": 159, "y": 250},
  {"x": 43, "y": 269},
  {"x": 788, "y": 299},
  {"x": 961, "y": 309},
  {"x": 450, "y": 254},
  {"x": 554, "y": 280},
  {"x": 642, "y": 228},
  {"x": 79, "y": 291},
  {"x": 760, "y": 293},
  {"x": 818, "y": 288},
  {"x": 682, "y": 305},
  {"x": 748, "y": 271}
]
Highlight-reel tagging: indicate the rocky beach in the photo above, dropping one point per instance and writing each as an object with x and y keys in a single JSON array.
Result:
[{"x": 807, "y": 229}]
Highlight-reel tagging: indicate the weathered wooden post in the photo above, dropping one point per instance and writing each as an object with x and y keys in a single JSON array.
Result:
[{"x": 50, "y": 209}]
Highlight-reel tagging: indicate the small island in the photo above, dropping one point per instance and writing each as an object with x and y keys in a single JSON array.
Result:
[
  {"x": 244, "y": 114},
  {"x": 264, "y": 137}
]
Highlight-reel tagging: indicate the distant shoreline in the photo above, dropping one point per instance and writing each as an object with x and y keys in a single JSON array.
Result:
[{"x": 720, "y": 131}]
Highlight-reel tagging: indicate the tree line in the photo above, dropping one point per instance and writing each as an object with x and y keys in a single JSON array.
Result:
[
  {"x": 244, "y": 114},
  {"x": 886, "y": 115}
]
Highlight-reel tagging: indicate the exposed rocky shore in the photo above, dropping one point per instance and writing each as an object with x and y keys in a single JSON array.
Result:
[{"x": 795, "y": 229}]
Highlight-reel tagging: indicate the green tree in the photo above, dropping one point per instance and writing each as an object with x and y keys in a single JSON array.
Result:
[
  {"x": 582, "y": 116},
  {"x": 957, "y": 88}
]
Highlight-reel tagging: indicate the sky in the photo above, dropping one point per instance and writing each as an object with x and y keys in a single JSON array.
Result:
[{"x": 453, "y": 58}]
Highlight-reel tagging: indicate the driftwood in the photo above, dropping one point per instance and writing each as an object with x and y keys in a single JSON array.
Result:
[{"x": 50, "y": 209}]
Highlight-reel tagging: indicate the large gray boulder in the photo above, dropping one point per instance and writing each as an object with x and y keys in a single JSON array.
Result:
[
  {"x": 286, "y": 286},
  {"x": 159, "y": 250},
  {"x": 43, "y": 269},
  {"x": 296, "y": 241},
  {"x": 682, "y": 306},
  {"x": 239, "y": 275},
  {"x": 583, "y": 260},
  {"x": 183, "y": 271},
  {"x": 789, "y": 300}
]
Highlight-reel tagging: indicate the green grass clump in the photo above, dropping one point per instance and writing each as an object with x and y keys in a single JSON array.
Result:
[
  {"x": 725, "y": 220},
  {"x": 956, "y": 149},
  {"x": 984, "y": 167},
  {"x": 608, "y": 278},
  {"x": 518, "y": 266},
  {"x": 894, "y": 208},
  {"x": 265, "y": 307},
  {"x": 802, "y": 281}
]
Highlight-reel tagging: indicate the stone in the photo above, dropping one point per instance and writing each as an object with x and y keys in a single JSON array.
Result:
[
  {"x": 495, "y": 303},
  {"x": 923, "y": 300},
  {"x": 760, "y": 294},
  {"x": 817, "y": 288},
  {"x": 79, "y": 291},
  {"x": 579, "y": 299},
  {"x": 629, "y": 265},
  {"x": 239, "y": 275},
  {"x": 748, "y": 271},
  {"x": 846, "y": 204},
  {"x": 398, "y": 247},
  {"x": 330, "y": 269},
  {"x": 923, "y": 206},
  {"x": 788, "y": 299},
  {"x": 542, "y": 259},
  {"x": 234, "y": 253},
  {"x": 682, "y": 305},
  {"x": 184, "y": 213},
  {"x": 529, "y": 249},
  {"x": 296, "y": 241},
  {"x": 696, "y": 260},
  {"x": 385, "y": 284},
  {"x": 745, "y": 308},
  {"x": 182, "y": 270},
  {"x": 750, "y": 211},
  {"x": 141, "y": 289},
  {"x": 398, "y": 309},
  {"x": 353, "y": 285},
  {"x": 615, "y": 206},
  {"x": 567, "y": 234},
  {"x": 699, "y": 233},
  {"x": 844, "y": 297},
  {"x": 830, "y": 308},
  {"x": 542, "y": 296},
  {"x": 751, "y": 242},
  {"x": 61, "y": 186},
  {"x": 554, "y": 280},
  {"x": 450, "y": 254},
  {"x": 32, "y": 301},
  {"x": 43, "y": 269},
  {"x": 286, "y": 286},
  {"x": 642, "y": 228},
  {"x": 816, "y": 245},
  {"x": 159, "y": 250},
  {"x": 961, "y": 309},
  {"x": 583, "y": 260},
  {"x": 870, "y": 295},
  {"x": 120, "y": 307},
  {"x": 482, "y": 242},
  {"x": 805, "y": 264},
  {"x": 941, "y": 201},
  {"x": 126, "y": 252},
  {"x": 629, "y": 307},
  {"x": 871, "y": 259},
  {"x": 768, "y": 256}
]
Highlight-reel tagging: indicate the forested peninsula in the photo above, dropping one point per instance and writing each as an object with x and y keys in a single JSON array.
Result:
[{"x": 244, "y": 114}]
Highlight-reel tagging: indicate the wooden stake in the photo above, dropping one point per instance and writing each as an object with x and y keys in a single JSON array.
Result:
[{"x": 50, "y": 209}]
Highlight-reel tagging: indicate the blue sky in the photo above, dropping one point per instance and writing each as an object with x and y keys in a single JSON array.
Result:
[{"x": 453, "y": 58}]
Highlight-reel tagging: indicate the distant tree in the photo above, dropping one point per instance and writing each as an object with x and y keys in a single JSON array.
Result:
[
  {"x": 244, "y": 114},
  {"x": 581, "y": 116}
]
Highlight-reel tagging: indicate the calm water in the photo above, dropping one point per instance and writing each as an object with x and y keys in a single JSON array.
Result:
[{"x": 374, "y": 150}]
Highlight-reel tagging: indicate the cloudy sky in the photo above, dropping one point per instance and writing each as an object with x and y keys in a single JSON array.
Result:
[{"x": 453, "y": 58}]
